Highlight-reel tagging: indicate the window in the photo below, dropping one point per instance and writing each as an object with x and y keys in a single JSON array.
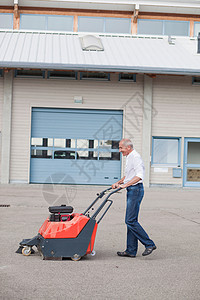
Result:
[
  {"x": 108, "y": 144},
  {"x": 1, "y": 73},
  {"x": 64, "y": 143},
  {"x": 117, "y": 25},
  {"x": 60, "y": 23},
  {"x": 127, "y": 77},
  {"x": 91, "y": 155},
  {"x": 46, "y": 22},
  {"x": 110, "y": 25},
  {"x": 166, "y": 151},
  {"x": 62, "y": 74},
  {"x": 6, "y": 21},
  {"x": 37, "y": 153},
  {"x": 163, "y": 27},
  {"x": 77, "y": 149},
  {"x": 196, "y": 80},
  {"x": 64, "y": 154},
  {"x": 196, "y": 28},
  {"x": 150, "y": 27},
  {"x": 30, "y": 73},
  {"x": 34, "y": 22},
  {"x": 90, "y": 24},
  {"x": 176, "y": 28},
  {"x": 95, "y": 75},
  {"x": 60, "y": 143},
  {"x": 41, "y": 142}
]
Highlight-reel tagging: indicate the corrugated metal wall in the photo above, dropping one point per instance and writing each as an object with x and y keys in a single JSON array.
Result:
[
  {"x": 29, "y": 93},
  {"x": 176, "y": 113}
]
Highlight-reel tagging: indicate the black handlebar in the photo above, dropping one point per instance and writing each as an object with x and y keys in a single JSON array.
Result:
[{"x": 101, "y": 206}]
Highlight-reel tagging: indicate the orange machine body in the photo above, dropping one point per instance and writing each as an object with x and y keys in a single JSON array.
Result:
[{"x": 68, "y": 229}]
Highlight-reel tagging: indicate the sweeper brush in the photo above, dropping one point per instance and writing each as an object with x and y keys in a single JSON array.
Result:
[{"x": 65, "y": 234}]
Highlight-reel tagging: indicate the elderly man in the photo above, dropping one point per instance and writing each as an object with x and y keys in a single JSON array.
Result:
[{"x": 132, "y": 181}]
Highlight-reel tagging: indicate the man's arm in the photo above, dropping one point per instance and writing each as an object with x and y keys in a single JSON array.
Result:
[
  {"x": 131, "y": 182},
  {"x": 116, "y": 184}
]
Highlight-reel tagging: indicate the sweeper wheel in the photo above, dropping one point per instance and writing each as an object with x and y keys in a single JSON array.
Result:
[
  {"x": 76, "y": 257},
  {"x": 26, "y": 251}
]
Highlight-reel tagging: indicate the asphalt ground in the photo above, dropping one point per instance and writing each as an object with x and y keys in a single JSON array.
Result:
[{"x": 170, "y": 216}]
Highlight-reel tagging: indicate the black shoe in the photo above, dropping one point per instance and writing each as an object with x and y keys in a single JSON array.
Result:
[
  {"x": 124, "y": 253},
  {"x": 148, "y": 250}
]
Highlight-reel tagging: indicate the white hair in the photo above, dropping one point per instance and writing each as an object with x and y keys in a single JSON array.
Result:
[{"x": 127, "y": 142}]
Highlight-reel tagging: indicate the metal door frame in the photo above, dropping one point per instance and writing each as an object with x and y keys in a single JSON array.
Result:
[{"x": 186, "y": 165}]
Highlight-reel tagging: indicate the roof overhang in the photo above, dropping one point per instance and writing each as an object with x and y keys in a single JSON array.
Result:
[
  {"x": 124, "y": 53},
  {"x": 109, "y": 69}
]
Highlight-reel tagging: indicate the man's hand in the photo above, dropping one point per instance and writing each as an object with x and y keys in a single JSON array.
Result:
[
  {"x": 115, "y": 185},
  {"x": 122, "y": 186}
]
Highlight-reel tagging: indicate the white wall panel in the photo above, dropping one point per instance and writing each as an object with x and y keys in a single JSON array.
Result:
[
  {"x": 176, "y": 105},
  {"x": 28, "y": 93}
]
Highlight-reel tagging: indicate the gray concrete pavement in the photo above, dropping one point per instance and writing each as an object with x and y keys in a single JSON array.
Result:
[{"x": 170, "y": 216}]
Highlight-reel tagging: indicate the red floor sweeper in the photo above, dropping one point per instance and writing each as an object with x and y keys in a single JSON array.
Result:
[{"x": 65, "y": 234}]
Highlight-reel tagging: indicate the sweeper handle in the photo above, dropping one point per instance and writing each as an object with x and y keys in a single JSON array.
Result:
[
  {"x": 99, "y": 195},
  {"x": 102, "y": 204}
]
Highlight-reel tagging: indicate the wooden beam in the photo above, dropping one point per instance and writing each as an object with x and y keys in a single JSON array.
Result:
[
  {"x": 135, "y": 15},
  {"x": 102, "y": 13},
  {"x": 133, "y": 26},
  {"x": 75, "y": 27},
  {"x": 16, "y": 11},
  {"x": 191, "y": 28},
  {"x": 168, "y": 16},
  {"x": 78, "y": 12},
  {"x": 6, "y": 9},
  {"x": 16, "y": 17}
]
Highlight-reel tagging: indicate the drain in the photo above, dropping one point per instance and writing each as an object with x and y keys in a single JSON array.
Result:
[{"x": 4, "y": 205}]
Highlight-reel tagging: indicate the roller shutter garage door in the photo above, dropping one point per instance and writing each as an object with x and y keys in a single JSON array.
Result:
[{"x": 70, "y": 146}]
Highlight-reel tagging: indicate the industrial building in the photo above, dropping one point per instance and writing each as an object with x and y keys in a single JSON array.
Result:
[{"x": 77, "y": 76}]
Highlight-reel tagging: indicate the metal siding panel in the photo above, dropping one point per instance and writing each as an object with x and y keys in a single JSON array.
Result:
[
  {"x": 34, "y": 47},
  {"x": 176, "y": 103},
  {"x": 48, "y": 48},
  {"x": 19, "y": 45},
  {"x": 11, "y": 47},
  {"x": 41, "y": 48},
  {"x": 56, "y": 49},
  {"x": 124, "y": 52},
  {"x": 164, "y": 178},
  {"x": 57, "y": 93},
  {"x": 64, "y": 52},
  {"x": 5, "y": 45},
  {"x": 176, "y": 108},
  {"x": 27, "y": 44}
]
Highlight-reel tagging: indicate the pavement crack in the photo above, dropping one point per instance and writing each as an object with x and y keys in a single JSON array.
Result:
[{"x": 183, "y": 217}]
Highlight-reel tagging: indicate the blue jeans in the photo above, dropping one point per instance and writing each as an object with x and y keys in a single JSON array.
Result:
[{"x": 135, "y": 231}]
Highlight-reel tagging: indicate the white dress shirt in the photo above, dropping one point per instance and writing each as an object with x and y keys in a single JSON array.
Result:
[{"x": 134, "y": 167}]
